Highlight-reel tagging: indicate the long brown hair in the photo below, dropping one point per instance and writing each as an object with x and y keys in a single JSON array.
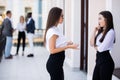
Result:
[
  {"x": 53, "y": 18},
  {"x": 109, "y": 24}
]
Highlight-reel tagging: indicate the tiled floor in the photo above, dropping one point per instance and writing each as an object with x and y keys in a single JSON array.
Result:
[{"x": 23, "y": 68}]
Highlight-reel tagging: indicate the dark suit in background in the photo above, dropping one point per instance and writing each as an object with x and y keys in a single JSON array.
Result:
[
  {"x": 31, "y": 26},
  {"x": 30, "y": 34}
]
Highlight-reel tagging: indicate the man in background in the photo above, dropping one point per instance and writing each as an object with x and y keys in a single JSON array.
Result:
[
  {"x": 8, "y": 33},
  {"x": 30, "y": 25}
]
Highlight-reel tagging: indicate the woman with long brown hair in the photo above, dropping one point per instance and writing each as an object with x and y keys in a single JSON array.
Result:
[
  {"x": 56, "y": 44},
  {"x": 102, "y": 40}
]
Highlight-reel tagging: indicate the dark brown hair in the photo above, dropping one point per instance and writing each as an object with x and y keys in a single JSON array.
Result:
[
  {"x": 109, "y": 24},
  {"x": 8, "y": 12},
  {"x": 53, "y": 18},
  {"x": 29, "y": 15}
]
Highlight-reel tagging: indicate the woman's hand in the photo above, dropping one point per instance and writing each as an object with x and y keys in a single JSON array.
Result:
[
  {"x": 97, "y": 28},
  {"x": 92, "y": 40},
  {"x": 69, "y": 43},
  {"x": 13, "y": 30},
  {"x": 73, "y": 46},
  {"x": 96, "y": 48}
]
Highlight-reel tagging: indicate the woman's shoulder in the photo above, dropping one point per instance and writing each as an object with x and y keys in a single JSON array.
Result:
[
  {"x": 52, "y": 29},
  {"x": 111, "y": 32}
]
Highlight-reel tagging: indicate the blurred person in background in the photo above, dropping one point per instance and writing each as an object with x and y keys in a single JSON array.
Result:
[
  {"x": 21, "y": 27},
  {"x": 8, "y": 33},
  {"x": 30, "y": 27}
]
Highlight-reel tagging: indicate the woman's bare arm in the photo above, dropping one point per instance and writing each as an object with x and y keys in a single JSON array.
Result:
[{"x": 53, "y": 49}]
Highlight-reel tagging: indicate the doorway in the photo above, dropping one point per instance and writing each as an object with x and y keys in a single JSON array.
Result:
[{"x": 84, "y": 36}]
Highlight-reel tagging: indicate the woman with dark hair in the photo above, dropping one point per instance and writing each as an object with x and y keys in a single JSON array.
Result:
[
  {"x": 103, "y": 40},
  {"x": 56, "y": 44}
]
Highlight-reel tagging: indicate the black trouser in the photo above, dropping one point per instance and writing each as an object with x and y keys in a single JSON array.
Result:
[
  {"x": 55, "y": 66},
  {"x": 21, "y": 35},
  {"x": 104, "y": 66}
]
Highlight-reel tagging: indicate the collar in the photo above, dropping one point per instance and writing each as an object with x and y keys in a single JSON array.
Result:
[
  {"x": 8, "y": 18},
  {"x": 29, "y": 18}
]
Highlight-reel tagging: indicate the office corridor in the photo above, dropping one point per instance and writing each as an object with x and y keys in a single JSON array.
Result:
[{"x": 23, "y": 68}]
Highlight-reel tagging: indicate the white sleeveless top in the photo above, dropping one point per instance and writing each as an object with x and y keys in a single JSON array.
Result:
[{"x": 60, "y": 41}]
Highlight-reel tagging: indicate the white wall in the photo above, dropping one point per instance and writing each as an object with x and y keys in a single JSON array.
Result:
[
  {"x": 109, "y": 5},
  {"x": 9, "y": 5},
  {"x": 47, "y": 5},
  {"x": 68, "y": 28},
  {"x": 17, "y": 11},
  {"x": 72, "y": 30},
  {"x": 35, "y": 12},
  {"x": 116, "y": 17}
]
